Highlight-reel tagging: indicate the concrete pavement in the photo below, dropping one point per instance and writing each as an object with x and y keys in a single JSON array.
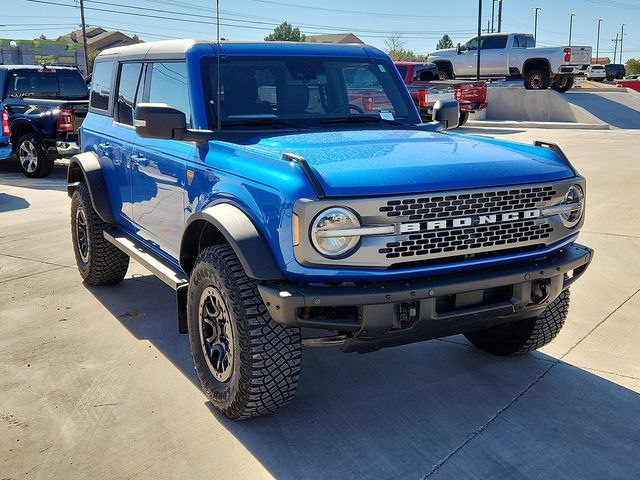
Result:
[{"x": 96, "y": 383}]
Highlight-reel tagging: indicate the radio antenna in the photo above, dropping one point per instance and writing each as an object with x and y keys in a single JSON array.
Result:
[{"x": 219, "y": 73}]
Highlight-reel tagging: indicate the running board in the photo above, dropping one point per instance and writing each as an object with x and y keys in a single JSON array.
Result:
[{"x": 171, "y": 276}]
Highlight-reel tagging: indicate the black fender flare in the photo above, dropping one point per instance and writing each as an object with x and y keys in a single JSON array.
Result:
[
  {"x": 86, "y": 167},
  {"x": 234, "y": 227}
]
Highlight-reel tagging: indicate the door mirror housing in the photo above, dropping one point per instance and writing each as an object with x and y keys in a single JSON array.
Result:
[
  {"x": 158, "y": 120},
  {"x": 459, "y": 49},
  {"x": 447, "y": 112}
]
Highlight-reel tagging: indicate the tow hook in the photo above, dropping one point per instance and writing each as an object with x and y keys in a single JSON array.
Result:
[{"x": 540, "y": 291}]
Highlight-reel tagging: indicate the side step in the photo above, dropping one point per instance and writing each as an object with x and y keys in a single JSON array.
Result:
[{"x": 171, "y": 276}]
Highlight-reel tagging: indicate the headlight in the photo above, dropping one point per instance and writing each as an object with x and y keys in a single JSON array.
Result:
[
  {"x": 575, "y": 199},
  {"x": 330, "y": 233}
]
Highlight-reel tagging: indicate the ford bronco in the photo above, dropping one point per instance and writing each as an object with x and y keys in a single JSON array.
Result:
[{"x": 251, "y": 179}]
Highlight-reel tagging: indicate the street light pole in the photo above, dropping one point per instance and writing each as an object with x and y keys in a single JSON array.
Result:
[
  {"x": 535, "y": 24},
  {"x": 571, "y": 15},
  {"x": 84, "y": 38},
  {"x": 499, "y": 16},
  {"x": 479, "y": 39},
  {"x": 493, "y": 13},
  {"x": 615, "y": 50},
  {"x": 621, "y": 40},
  {"x": 598, "y": 42}
]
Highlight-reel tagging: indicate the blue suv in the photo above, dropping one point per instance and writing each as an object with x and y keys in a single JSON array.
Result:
[{"x": 287, "y": 188}]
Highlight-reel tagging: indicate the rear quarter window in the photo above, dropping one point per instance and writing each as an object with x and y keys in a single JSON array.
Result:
[{"x": 101, "y": 86}]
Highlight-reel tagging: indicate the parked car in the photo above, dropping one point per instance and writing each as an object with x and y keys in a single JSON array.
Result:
[
  {"x": 632, "y": 77},
  {"x": 615, "y": 71},
  {"x": 5, "y": 133},
  {"x": 506, "y": 55},
  {"x": 472, "y": 96},
  {"x": 46, "y": 105},
  {"x": 596, "y": 73},
  {"x": 271, "y": 214}
]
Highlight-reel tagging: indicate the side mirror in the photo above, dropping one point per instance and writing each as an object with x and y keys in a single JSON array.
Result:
[
  {"x": 159, "y": 120},
  {"x": 459, "y": 49},
  {"x": 447, "y": 112}
]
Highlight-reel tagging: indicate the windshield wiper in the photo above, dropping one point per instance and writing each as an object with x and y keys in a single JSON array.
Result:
[
  {"x": 270, "y": 122},
  {"x": 361, "y": 119}
]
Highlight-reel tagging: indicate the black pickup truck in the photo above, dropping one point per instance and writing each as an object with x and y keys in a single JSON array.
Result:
[{"x": 46, "y": 105}]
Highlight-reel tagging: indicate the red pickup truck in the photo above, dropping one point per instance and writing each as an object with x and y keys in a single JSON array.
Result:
[{"x": 425, "y": 89}]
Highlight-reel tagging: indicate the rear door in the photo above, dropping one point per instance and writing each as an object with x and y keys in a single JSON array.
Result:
[{"x": 158, "y": 169}]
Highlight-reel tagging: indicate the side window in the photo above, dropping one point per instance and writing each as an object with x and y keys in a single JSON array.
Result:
[
  {"x": 472, "y": 44},
  {"x": 169, "y": 85},
  {"x": 127, "y": 89},
  {"x": 494, "y": 42},
  {"x": 101, "y": 85}
]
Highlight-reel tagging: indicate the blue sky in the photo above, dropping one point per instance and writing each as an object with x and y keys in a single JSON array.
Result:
[{"x": 421, "y": 23}]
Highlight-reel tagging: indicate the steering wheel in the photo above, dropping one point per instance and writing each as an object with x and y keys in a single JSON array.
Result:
[{"x": 348, "y": 107}]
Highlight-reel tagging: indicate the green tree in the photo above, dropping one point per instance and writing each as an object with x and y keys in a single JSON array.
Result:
[
  {"x": 445, "y": 42},
  {"x": 633, "y": 66},
  {"x": 285, "y": 32},
  {"x": 91, "y": 57}
]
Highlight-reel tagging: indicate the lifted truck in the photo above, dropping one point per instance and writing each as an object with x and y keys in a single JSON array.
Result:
[
  {"x": 426, "y": 90},
  {"x": 46, "y": 105},
  {"x": 515, "y": 55},
  {"x": 270, "y": 214}
]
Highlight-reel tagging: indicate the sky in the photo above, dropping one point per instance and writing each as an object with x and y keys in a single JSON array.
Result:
[{"x": 419, "y": 23}]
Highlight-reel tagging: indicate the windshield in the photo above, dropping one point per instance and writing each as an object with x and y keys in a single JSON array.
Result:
[
  {"x": 307, "y": 92},
  {"x": 48, "y": 83}
]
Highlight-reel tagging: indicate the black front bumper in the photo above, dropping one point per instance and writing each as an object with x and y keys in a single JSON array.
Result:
[{"x": 394, "y": 313}]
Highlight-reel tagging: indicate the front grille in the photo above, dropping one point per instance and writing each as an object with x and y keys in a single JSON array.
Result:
[{"x": 465, "y": 204}]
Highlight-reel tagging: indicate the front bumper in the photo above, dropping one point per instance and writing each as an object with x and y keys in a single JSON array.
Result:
[{"x": 395, "y": 313}]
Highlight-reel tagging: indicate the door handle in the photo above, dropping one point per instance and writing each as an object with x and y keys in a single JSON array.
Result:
[{"x": 139, "y": 160}]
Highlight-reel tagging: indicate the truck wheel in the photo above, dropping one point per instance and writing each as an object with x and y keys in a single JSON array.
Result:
[
  {"x": 562, "y": 83},
  {"x": 536, "y": 80},
  {"x": 34, "y": 160},
  {"x": 464, "y": 116},
  {"x": 248, "y": 364},
  {"x": 99, "y": 262},
  {"x": 523, "y": 336},
  {"x": 444, "y": 75}
]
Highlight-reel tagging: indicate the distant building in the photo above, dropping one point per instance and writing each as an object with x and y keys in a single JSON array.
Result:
[
  {"x": 333, "y": 38},
  {"x": 600, "y": 61},
  {"x": 41, "y": 52},
  {"x": 100, "y": 39}
]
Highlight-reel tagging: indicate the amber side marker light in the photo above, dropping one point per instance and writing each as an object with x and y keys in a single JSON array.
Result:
[{"x": 296, "y": 230}]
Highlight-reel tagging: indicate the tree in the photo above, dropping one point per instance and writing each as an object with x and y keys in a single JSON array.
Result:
[
  {"x": 285, "y": 32},
  {"x": 445, "y": 42},
  {"x": 91, "y": 57},
  {"x": 395, "y": 49},
  {"x": 633, "y": 66}
]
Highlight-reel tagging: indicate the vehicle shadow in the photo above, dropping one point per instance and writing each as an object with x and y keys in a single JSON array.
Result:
[
  {"x": 11, "y": 202},
  {"x": 612, "y": 112},
  {"x": 11, "y": 175},
  {"x": 398, "y": 412}
]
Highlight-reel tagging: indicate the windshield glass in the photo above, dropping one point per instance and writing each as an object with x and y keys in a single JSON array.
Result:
[
  {"x": 306, "y": 92},
  {"x": 48, "y": 83}
]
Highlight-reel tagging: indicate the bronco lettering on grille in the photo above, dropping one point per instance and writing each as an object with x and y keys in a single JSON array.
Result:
[{"x": 471, "y": 221}]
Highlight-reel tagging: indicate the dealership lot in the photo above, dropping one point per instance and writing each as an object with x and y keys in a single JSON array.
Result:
[{"x": 97, "y": 383}]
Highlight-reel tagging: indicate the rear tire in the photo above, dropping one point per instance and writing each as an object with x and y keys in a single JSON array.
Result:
[
  {"x": 445, "y": 72},
  {"x": 464, "y": 117},
  {"x": 562, "y": 83},
  {"x": 34, "y": 160},
  {"x": 99, "y": 262},
  {"x": 536, "y": 80},
  {"x": 247, "y": 363},
  {"x": 523, "y": 336}
]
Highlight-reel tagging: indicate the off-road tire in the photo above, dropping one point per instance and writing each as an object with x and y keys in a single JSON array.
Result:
[
  {"x": 43, "y": 164},
  {"x": 523, "y": 336},
  {"x": 105, "y": 264},
  {"x": 536, "y": 80},
  {"x": 464, "y": 117},
  {"x": 266, "y": 357},
  {"x": 444, "y": 74},
  {"x": 562, "y": 83}
]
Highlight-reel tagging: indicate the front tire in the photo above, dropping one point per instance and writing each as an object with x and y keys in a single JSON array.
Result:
[
  {"x": 536, "y": 80},
  {"x": 99, "y": 262},
  {"x": 248, "y": 364},
  {"x": 523, "y": 336},
  {"x": 34, "y": 160}
]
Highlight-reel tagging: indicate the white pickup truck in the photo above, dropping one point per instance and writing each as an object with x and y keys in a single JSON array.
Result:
[{"x": 508, "y": 55}]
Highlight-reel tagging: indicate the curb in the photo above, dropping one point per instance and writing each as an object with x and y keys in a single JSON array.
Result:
[{"x": 527, "y": 124}]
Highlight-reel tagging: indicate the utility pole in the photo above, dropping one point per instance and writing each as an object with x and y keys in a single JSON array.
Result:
[
  {"x": 615, "y": 51},
  {"x": 598, "y": 41},
  {"x": 621, "y": 40},
  {"x": 499, "y": 16},
  {"x": 479, "y": 39},
  {"x": 493, "y": 14},
  {"x": 571, "y": 15},
  {"x": 535, "y": 23},
  {"x": 84, "y": 38}
]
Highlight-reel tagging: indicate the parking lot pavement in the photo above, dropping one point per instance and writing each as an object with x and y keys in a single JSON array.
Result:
[{"x": 96, "y": 382}]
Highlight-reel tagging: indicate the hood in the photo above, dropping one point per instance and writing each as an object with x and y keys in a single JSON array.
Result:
[
  {"x": 444, "y": 51},
  {"x": 389, "y": 162}
]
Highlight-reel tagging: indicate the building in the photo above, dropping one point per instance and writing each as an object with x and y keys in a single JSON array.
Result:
[
  {"x": 99, "y": 39},
  {"x": 41, "y": 52},
  {"x": 600, "y": 61},
  {"x": 333, "y": 38}
]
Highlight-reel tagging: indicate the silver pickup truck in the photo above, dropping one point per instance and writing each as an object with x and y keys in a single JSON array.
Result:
[{"x": 508, "y": 55}]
